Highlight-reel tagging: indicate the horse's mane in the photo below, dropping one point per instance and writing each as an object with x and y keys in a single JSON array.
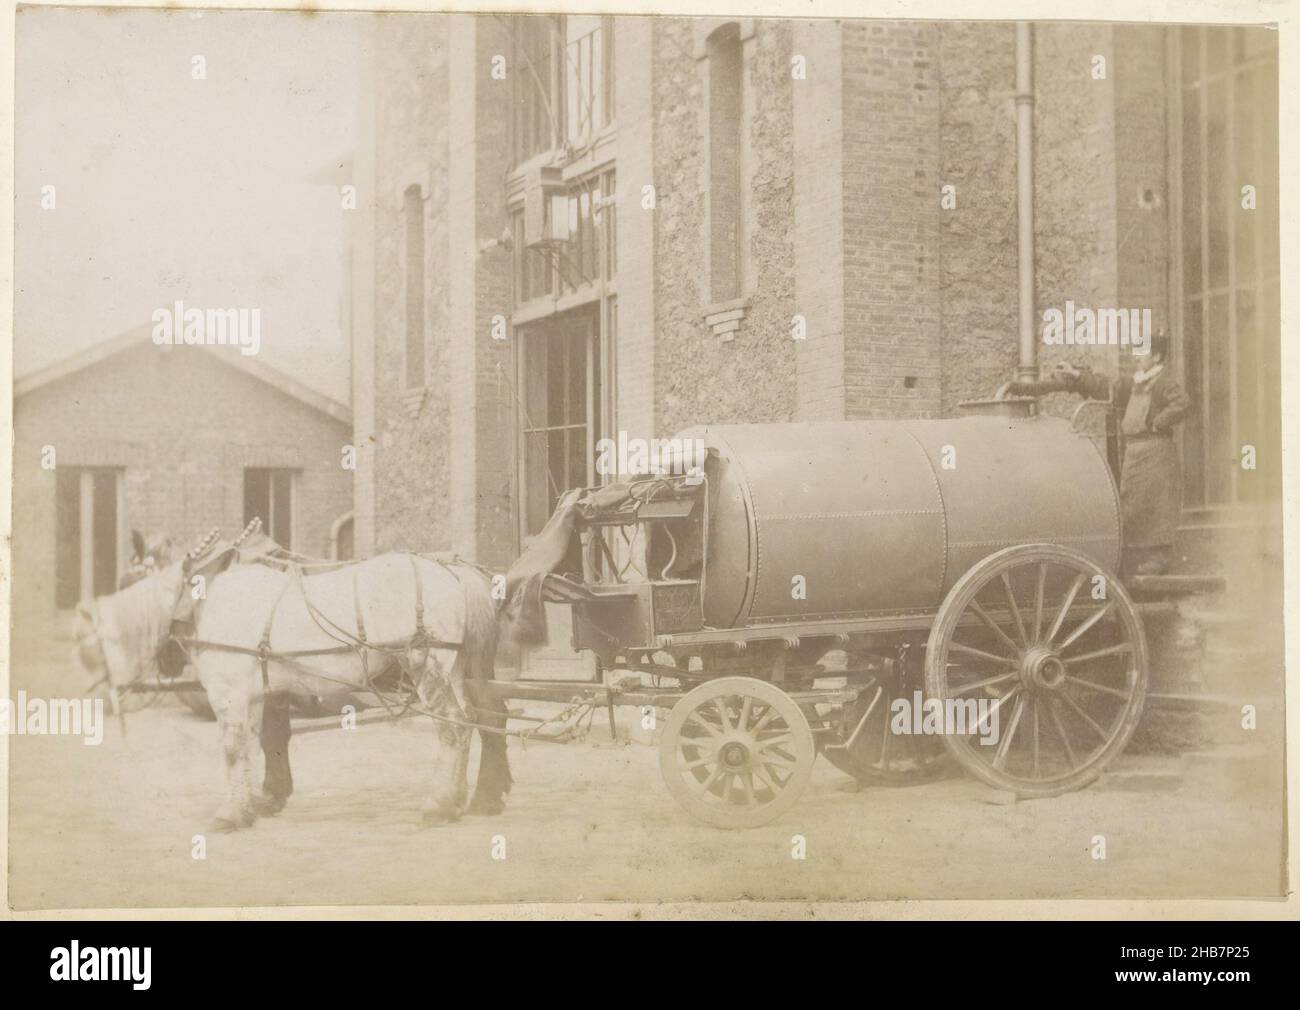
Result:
[{"x": 139, "y": 619}]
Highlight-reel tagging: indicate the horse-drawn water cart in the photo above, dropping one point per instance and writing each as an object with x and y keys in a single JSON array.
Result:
[{"x": 891, "y": 594}]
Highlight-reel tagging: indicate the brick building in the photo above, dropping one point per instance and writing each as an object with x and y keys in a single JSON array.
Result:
[
  {"x": 586, "y": 225},
  {"x": 165, "y": 440}
]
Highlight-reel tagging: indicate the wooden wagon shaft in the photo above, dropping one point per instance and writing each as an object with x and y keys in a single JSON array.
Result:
[{"x": 562, "y": 692}]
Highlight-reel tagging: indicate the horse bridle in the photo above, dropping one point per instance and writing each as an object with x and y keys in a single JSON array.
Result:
[{"x": 97, "y": 627}]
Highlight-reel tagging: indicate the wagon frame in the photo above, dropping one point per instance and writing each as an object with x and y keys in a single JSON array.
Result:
[
  {"x": 830, "y": 712},
  {"x": 1054, "y": 642}
]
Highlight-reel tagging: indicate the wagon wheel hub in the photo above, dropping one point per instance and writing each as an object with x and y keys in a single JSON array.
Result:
[
  {"x": 1041, "y": 669},
  {"x": 735, "y": 755},
  {"x": 736, "y": 752},
  {"x": 1061, "y": 667}
]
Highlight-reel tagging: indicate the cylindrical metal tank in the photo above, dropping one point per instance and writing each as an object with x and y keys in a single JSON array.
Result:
[{"x": 884, "y": 516}]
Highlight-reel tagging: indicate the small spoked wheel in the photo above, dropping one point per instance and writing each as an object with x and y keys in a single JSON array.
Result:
[
  {"x": 736, "y": 752},
  {"x": 1037, "y": 664}
]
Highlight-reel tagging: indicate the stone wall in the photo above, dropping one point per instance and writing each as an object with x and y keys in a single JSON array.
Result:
[
  {"x": 700, "y": 376},
  {"x": 411, "y": 452}
]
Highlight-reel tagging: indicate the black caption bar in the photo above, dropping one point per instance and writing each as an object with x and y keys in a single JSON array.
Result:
[{"x": 333, "y": 959}]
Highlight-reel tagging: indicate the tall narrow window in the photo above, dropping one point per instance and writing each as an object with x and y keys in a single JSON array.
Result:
[
  {"x": 536, "y": 84},
  {"x": 726, "y": 213},
  {"x": 1230, "y": 267},
  {"x": 268, "y": 495},
  {"x": 414, "y": 214},
  {"x": 586, "y": 66}
]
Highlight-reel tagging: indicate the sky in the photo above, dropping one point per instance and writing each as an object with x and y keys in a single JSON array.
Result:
[{"x": 166, "y": 187}]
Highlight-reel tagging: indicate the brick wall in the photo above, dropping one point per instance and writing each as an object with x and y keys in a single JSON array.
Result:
[
  {"x": 491, "y": 513},
  {"x": 891, "y": 219},
  {"x": 819, "y": 220},
  {"x": 411, "y": 455},
  {"x": 1075, "y": 226},
  {"x": 183, "y": 426},
  {"x": 635, "y": 377},
  {"x": 977, "y": 238},
  {"x": 1101, "y": 223},
  {"x": 1141, "y": 182}
]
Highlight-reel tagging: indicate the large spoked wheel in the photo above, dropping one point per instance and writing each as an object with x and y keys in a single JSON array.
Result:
[
  {"x": 1039, "y": 662},
  {"x": 736, "y": 752}
]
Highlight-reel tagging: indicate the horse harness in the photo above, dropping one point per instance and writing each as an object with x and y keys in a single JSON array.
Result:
[
  {"x": 348, "y": 642},
  {"x": 577, "y": 709}
]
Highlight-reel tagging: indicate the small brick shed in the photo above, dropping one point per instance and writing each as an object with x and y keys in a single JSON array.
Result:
[{"x": 165, "y": 440}]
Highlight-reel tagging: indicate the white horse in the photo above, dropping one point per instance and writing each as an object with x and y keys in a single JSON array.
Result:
[{"x": 264, "y": 634}]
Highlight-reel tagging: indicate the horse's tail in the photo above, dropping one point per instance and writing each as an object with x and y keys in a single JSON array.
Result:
[{"x": 498, "y": 628}]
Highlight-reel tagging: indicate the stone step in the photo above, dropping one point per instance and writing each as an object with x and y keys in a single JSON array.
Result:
[
  {"x": 1242, "y": 658},
  {"x": 1224, "y": 653},
  {"x": 1142, "y": 782},
  {"x": 1187, "y": 700},
  {"x": 1221, "y": 617},
  {"x": 1144, "y": 773}
]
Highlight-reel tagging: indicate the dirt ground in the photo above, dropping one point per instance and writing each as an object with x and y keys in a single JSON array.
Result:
[{"x": 114, "y": 826}]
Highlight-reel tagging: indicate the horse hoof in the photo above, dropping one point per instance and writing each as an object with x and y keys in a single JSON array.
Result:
[
  {"x": 268, "y": 806},
  {"x": 435, "y": 818},
  {"x": 486, "y": 806}
]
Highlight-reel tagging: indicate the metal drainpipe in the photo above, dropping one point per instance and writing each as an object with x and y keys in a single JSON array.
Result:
[{"x": 1028, "y": 368}]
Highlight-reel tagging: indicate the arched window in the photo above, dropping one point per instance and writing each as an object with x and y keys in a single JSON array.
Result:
[
  {"x": 413, "y": 211},
  {"x": 726, "y": 192}
]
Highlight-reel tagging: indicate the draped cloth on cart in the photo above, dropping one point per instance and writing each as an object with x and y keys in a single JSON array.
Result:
[
  {"x": 532, "y": 580},
  {"x": 525, "y": 581}
]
